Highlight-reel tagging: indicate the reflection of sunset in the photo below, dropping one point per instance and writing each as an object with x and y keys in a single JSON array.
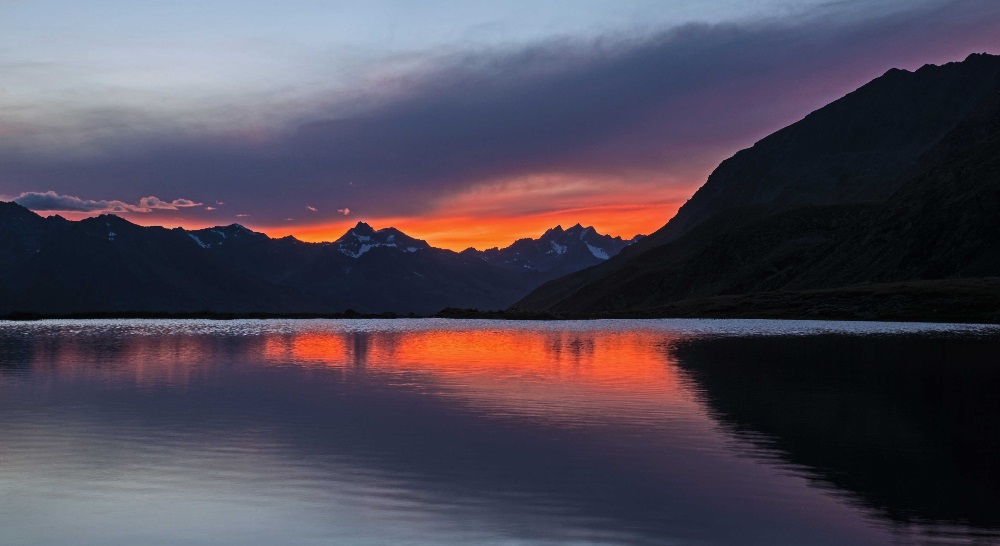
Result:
[
  {"x": 507, "y": 369},
  {"x": 547, "y": 373},
  {"x": 611, "y": 360}
]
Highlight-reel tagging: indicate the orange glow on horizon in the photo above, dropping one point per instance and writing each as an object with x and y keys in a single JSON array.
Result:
[
  {"x": 482, "y": 232},
  {"x": 453, "y": 232},
  {"x": 496, "y": 214},
  {"x": 487, "y": 215}
]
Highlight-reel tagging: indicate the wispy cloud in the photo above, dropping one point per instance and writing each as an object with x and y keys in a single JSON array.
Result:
[
  {"x": 152, "y": 202},
  {"x": 51, "y": 201}
]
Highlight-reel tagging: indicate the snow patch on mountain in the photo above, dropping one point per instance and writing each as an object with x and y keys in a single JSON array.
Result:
[
  {"x": 201, "y": 243},
  {"x": 598, "y": 253}
]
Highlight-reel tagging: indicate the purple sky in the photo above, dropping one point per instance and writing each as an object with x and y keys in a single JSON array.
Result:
[{"x": 525, "y": 121}]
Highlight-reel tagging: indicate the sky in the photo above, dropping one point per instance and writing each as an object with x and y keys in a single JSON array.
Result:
[{"x": 462, "y": 123}]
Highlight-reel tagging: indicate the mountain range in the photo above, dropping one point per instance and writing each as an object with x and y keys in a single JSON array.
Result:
[
  {"x": 105, "y": 264},
  {"x": 897, "y": 182},
  {"x": 882, "y": 204}
]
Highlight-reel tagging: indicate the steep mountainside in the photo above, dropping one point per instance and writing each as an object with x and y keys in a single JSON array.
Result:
[
  {"x": 852, "y": 150},
  {"x": 930, "y": 218}
]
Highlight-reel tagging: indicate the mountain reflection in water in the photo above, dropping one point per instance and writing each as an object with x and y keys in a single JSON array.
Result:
[
  {"x": 909, "y": 425},
  {"x": 433, "y": 431}
]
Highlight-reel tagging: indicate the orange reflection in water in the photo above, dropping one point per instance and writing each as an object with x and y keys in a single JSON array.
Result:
[
  {"x": 547, "y": 372},
  {"x": 511, "y": 370},
  {"x": 615, "y": 360}
]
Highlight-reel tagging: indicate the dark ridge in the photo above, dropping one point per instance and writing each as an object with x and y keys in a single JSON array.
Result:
[
  {"x": 106, "y": 266},
  {"x": 895, "y": 182}
]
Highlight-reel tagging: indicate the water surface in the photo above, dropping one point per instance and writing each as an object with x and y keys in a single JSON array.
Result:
[{"x": 489, "y": 432}]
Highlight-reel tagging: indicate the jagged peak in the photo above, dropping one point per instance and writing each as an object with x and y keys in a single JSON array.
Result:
[
  {"x": 971, "y": 58},
  {"x": 549, "y": 233},
  {"x": 390, "y": 231},
  {"x": 232, "y": 229},
  {"x": 109, "y": 219},
  {"x": 981, "y": 57},
  {"x": 362, "y": 238},
  {"x": 12, "y": 207},
  {"x": 576, "y": 230}
]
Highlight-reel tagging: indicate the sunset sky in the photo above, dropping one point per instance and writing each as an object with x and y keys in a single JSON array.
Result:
[{"x": 463, "y": 123}]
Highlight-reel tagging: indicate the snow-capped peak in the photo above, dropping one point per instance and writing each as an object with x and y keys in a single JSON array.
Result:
[
  {"x": 362, "y": 238},
  {"x": 558, "y": 249}
]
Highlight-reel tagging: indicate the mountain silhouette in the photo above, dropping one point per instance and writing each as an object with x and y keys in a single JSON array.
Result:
[
  {"x": 558, "y": 251},
  {"x": 106, "y": 264},
  {"x": 895, "y": 182}
]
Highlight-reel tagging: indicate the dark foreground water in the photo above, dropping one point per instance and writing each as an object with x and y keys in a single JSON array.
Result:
[{"x": 483, "y": 432}]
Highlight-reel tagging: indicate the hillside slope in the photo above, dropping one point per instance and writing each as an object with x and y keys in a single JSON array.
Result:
[{"x": 926, "y": 218}]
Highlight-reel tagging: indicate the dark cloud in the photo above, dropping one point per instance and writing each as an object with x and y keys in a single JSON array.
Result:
[
  {"x": 668, "y": 105},
  {"x": 50, "y": 201}
]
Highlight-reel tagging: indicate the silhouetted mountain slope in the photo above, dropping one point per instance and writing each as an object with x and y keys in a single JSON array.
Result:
[
  {"x": 942, "y": 223},
  {"x": 109, "y": 265},
  {"x": 929, "y": 218},
  {"x": 852, "y": 150}
]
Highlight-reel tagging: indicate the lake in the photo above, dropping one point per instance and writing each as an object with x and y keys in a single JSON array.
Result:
[{"x": 489, "y": 432}]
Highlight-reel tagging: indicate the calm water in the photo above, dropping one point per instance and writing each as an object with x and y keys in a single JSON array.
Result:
[{"x": 483, "y": 432}]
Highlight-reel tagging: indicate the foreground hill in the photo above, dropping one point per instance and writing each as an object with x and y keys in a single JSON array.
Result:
[
  {"x": 106, "y": 264},
  {"x": 898, "y": 181}
]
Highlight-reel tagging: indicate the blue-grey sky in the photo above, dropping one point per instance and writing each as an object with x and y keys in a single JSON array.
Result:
[
  {"x": 427, "y": 114},
  {"x": 180, "y": 61}
]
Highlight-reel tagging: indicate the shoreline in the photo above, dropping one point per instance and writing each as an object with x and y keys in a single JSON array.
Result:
[{"x": 969, "y": 301}]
